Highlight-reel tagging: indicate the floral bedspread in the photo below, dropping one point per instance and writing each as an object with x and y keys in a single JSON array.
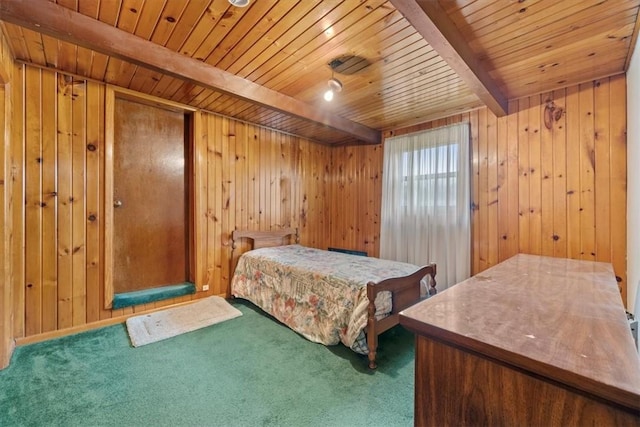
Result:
[{"x": 321, "y": 295}]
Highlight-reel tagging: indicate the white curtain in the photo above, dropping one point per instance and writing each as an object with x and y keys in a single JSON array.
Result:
[{"x": 426, "y": 203}]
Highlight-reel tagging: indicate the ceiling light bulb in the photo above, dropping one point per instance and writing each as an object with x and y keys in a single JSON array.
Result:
[
  {"x": 239, "y": 3},
  {"x": 335, "y": 84},
  {"x": 328, "y": 95}
]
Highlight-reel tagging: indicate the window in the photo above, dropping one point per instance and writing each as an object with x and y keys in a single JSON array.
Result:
[
  {"x": 426, "y": 201},
  {"x": 434, "y": 174}
]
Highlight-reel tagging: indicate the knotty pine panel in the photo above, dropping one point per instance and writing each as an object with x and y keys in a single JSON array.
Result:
[
  {"x": 252, "y": 177},
  {"x": 258, "y": 179},
  {"x": 355, "y": 198},
  {"x": 17, "y": 200},
  {"x": 557, "y": 192},
  {"x": 261, "y": 179}
]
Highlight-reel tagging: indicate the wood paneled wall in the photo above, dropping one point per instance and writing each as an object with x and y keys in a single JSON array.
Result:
[
  {"x": 556, "y": 192},
  {"x": 251, "y": 177},
  {"x": 61, "y": 248},
  {"x": 356, "y": 188},
  {"x": 258, "y": 179}
]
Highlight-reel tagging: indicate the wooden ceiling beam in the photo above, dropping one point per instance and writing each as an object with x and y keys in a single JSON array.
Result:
[
  {"x": 56, "y": 21},
  {"x": 432, "y": 22}
]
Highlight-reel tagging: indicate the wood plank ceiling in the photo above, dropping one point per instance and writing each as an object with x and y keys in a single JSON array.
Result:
[{"x": 392, "y": 77}]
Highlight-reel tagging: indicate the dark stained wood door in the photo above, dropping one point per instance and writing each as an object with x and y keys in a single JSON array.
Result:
[{"x": 150, "y": 197}]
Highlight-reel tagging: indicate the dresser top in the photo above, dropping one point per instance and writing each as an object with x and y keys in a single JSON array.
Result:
[{"x": 558, "y": 318}]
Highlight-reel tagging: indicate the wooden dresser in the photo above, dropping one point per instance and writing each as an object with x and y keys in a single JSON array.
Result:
[{"x": 533, "y": 341}]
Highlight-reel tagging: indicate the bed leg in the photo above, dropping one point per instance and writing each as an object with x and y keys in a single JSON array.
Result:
[
  {"x": 372, "y": 359},
  {"x": 372, "y": 334}
]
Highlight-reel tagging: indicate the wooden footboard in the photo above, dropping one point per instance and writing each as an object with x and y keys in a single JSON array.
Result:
[{"x": 405, "y": 292}]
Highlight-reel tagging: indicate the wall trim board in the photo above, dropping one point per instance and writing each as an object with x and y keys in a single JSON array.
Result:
[
  {"x": 7, "y": 343},
  {"x": 98, "y": 324},
  {"x": 633, "y": 179}
]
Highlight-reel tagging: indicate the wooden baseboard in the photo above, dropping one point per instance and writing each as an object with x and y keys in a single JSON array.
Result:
[
  {"x": 5, "y": 357},
  {"x": 95, "y": 325}
]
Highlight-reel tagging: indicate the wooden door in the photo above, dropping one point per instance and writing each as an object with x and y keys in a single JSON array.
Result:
[{"x": 150, "y": 229}]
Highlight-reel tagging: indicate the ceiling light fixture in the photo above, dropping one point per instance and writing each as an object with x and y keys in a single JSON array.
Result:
[
  {"x": 334, "y": 86},
  {"x": 239, "y": 3}
]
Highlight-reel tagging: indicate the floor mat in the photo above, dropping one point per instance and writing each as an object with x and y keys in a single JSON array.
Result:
[{"x": 153, "y": 327}]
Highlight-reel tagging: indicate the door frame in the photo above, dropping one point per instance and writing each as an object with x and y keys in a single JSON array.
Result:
[{"x": 195, "y": 180}]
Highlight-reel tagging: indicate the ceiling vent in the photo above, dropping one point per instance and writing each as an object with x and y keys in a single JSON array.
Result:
[{"x": 349, "y": 64}]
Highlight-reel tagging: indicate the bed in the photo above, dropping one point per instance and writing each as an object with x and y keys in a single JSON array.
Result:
[{"x": 327, "y": 297}]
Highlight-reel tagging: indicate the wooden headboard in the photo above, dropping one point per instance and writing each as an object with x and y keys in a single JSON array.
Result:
[{"x": 264, "y": 239}]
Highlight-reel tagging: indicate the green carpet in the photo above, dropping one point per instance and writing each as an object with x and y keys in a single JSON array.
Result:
[{"x": 249, "y": 371}]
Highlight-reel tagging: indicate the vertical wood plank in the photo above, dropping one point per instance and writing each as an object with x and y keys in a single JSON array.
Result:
[
  {"x": 94, "y": 183},
  {"x": 535, "y": 177},
  {"x": 49, "y": 202},
  {"x": 618, "y": 184},
  {"x": 303, "y": 203},
  {"x": 200, "y": 212},
  {"x": 374, "y": 172},
  {"x": 6, "y": 280},
  {"x": 513, "y": 174},
  {"x": 546, "y": 178},
  {"x": 33, "y": 210},
  {"x": 285, "y": 181},
  {"x": 215, "y": 144},
  {"x": 573, "y": 172},
  {"x": 475, "y": 193},
  {"x": 338, "y": 225},
  {"x": 492, "y": 185},
  {"x": 502, "y": 193},
  {"x": 361, "y": 177},
  {"x": 264, "y": 174},
  {"x": 524, "y": 180},
  {"x": 252, "y": 193},
  {"x": 602, "y": 171},
  {"x": 274, "y": 179},
  {"x": 230, "y": 165},
  {"x": 110, "y": 108},
  {"x": 349, "y": 215},
  {"x": 8, "y": 119},
  {"x": 587, "y": 169},
  {"x": 560, "y": 177},
  {"x": 296, "y": 169},
  {"x": 241, "y": 175},
  {"x": 78, "y": 201},
  {"x": 18, "y": 144},
  {"x": 377, "y": 201},
  {"x": 227, "y": 180},
  {"x": 206, "y": 139},
  {"x": 65, "y": 197},
  {"x": 105, "y": 103},
  {"x": 239, "y": 185},
  {"x": 483, "y": 189},
  {"x": 319, "y": 217}
]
